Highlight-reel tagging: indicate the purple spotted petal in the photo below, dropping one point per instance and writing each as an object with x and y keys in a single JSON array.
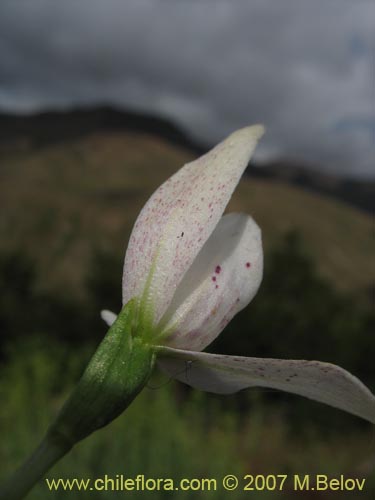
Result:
[
  {"x": 321, "y": 382},
  {"x": 222, "y": 280},
  {"x": 178, "y": 219}
]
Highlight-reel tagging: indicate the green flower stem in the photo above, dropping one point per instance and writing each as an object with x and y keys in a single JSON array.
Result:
[
  {"x": 117, "y": 372},
  {"x": 44, "y": 457}
]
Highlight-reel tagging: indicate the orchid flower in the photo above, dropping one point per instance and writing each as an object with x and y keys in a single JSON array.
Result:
[
  {"x": 191, "y": 269},
  {"x": 188, "y": 270}
]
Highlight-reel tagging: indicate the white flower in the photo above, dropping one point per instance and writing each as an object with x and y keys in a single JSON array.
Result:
[{"x": 191, "y": 269}]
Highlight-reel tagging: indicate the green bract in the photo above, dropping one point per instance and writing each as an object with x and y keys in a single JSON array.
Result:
[{"x": 116, "y": 373}]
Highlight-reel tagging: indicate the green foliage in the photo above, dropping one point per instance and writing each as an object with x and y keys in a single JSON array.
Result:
[
  {"x": 17, "y": 279},
  {"x": 103, "y": 283},
  {"x": 26, "y": 310}
]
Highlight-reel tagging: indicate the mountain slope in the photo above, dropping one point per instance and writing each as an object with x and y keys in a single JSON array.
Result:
[
  {"x": 56, "y": 127},
  {"x": 62, "y": 200}
]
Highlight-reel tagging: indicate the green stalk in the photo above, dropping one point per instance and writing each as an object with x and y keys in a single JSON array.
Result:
[{"x": 42, "y": 459}]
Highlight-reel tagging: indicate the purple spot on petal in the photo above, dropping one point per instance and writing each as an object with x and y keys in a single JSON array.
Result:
[
  {"x": 217, "y": 269},
  {"x": 213, "y": 278},
  {"x": 248, "y": 264}
]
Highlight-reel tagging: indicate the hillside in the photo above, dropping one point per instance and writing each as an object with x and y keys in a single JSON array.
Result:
[
  {"x": 62, "y": 200},
  {"x": 20, "y": 132}
]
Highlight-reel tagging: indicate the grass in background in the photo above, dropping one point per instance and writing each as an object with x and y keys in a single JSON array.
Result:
[{"x": 167, "y": 433}]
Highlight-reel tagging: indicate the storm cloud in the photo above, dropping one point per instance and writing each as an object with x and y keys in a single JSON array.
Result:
[{"x": 304, "y": 68}]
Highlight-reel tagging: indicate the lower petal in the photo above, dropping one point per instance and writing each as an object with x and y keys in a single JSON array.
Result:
[{"x": 315, "y": 380}]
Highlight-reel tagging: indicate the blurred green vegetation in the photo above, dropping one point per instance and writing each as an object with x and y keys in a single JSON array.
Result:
[
  {"x": 170, "y": 430},
  {"x": 163, "y": 434}
]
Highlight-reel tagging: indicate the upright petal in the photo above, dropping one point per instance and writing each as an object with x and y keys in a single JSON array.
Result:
[
  {"x": 321, "y": 382},
  {"x": 222, "y": 280},
  {"x": 178, "y": 219}
]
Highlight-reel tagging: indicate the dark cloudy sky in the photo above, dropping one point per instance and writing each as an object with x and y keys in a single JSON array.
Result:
[{"x": 304, "y": 68}]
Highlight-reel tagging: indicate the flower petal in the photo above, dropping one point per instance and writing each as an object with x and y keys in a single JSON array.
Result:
[
  {"x": 178, "y": 219},
  {"x": 108, "y": 317},
  {"x": 220, "y": 374},
  {"x": 222, "y": 280}
]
